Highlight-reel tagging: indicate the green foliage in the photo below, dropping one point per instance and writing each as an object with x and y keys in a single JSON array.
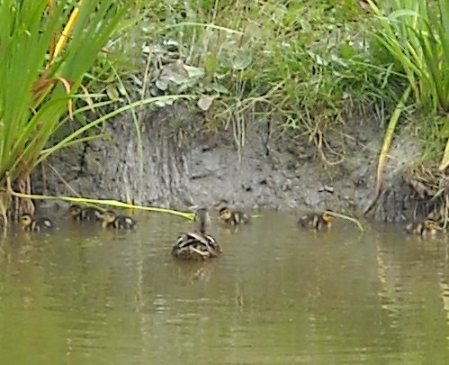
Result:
[
  {"x": 34, "y": 95},
  {"x": 415, "y": 34},
  {"x": 303, "y": 64}
]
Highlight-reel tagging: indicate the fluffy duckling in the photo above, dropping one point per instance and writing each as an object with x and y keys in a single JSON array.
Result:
[
  {"x": 424, "y": 228},
  {"x": 198, "y": 245},
  {"x": 85, "y": 214},
  {"x": 233, "y": 217},
  {"x": 317, "y": 221},
  {"x": 35, "y": 225},
  {"x": 112, "y": 220}
]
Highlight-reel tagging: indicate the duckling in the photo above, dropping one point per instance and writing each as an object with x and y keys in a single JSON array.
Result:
[
  {"x": 233, "y": 217},
  {"x": 425, "y": 228},
  {"x": 317, "y": 221},
  {"x": 112, "y": 220},
  {"x": 198, "y": 245},
  {"x": 35, "y": 225},
  {"x": 85, "y": 214}
]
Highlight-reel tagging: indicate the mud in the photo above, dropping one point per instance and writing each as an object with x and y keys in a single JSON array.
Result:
[{"x": 183, "y": 165}]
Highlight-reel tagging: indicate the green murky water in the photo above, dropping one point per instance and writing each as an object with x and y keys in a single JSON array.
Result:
[{"x": 278, "y": 295}]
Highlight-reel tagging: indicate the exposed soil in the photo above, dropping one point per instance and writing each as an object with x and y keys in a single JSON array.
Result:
[{"x": 183, "y": 165}]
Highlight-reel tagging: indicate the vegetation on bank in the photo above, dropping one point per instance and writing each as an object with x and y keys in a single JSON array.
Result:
[
  {"x": 46, "y": 49},
  {"x": 48, "y": 53},
  {"x": 305, "y": 65}
]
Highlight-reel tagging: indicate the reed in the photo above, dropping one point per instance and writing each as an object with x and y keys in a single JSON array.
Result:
[
  {"x": 415, "y": 34},
  {"x": 46, "y": 50}
]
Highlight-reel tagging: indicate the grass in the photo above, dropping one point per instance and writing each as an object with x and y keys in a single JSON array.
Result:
[
  {"x": 388, "y": 138},
  {"x": 48, "y": 50},
  {"x": 414, "y": 35},
  {"x": 303, "y": 67},
  {"x": 96, "y": 202},
  {"x": 42, "y": 71}
]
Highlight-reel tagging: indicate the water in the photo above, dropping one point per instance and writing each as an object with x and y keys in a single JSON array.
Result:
[{"x": 278, "y": 295}]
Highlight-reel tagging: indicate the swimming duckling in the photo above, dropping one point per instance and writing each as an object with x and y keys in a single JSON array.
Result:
[
  {"x": 85, "y": 214},
  {"x": 233, "y": 217},
  {"x": 425, "y": 228},
  {"x": 35, "y": 225},
  {"x": 317, "y": 221},
  {"x": 112, "y": 220},
  {"x": 197, "y": 245}
]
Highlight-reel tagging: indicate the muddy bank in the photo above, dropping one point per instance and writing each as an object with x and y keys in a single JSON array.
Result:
[{"x": 183, "y": 165}]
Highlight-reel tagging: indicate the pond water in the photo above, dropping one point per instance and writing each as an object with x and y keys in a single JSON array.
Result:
[{"x": 277, "y": 295}]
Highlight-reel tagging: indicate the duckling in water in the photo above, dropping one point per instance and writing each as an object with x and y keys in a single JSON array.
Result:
[
  {"x": 197, "y": 245},
  {"x": 35, "y": 225},
  {"x": 425, "y": 228},
  {"x": 112, "y": 220},
  {"x": 317, "y": 221},
  {"x": 85, "y": 214},
  {"x": 233, "y": 217}
]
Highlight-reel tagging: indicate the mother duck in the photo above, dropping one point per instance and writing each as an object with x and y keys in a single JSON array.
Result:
[{"x": 198, "y": 245}]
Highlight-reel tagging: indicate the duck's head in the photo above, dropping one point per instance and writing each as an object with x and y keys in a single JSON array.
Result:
[
  {"x": 25, "y": 220},
  {"x": 109, "y": 216},
  {"x": 202, "y": 220},
  {"x": 327, "y": 216},
  {"x": 74, "y": 210},
  {"x": 225, "y": 213}
]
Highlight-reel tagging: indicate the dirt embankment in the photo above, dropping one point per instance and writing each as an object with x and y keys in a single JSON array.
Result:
[{"x": 181, "y": 166}]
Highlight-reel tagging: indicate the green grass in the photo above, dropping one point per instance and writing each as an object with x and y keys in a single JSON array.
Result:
[
  {"x": 306, "y": 67},
  {"x": 414, "y": 36},
  {"x": 37, "y": 88}
]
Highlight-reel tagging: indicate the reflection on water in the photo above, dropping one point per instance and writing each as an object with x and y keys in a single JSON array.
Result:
[{"x": 276, "y": 296}]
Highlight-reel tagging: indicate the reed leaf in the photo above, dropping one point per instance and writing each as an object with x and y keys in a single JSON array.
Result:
[
  {"x": 39, "y": 80},
  {"x": 105, "y": 202},
  {"x": 416, "y": 36},
  {"x": 388, "y": 138}
]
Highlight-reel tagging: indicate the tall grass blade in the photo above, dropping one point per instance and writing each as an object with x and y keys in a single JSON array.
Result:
[
  {"x": 388, "y": 138},
  {"x": 444, "y": 164},
  {"x": 39, "y": 79},
  {"x": 107, "y": 202}
]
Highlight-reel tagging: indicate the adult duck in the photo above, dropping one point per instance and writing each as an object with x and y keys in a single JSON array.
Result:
[{"x": 198, "y": 245}]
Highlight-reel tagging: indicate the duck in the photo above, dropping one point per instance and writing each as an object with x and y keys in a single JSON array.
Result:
[
  {"x": 113, "y": 220},
  {"x": 317, "y": 221},
  {"x": 233, "y": 217},
  {"x": 425, "y": 228},
  {"x": 85, "y": 213},
  {"x": 198, "y": 245},
  {"x": 31, "y": 224}
]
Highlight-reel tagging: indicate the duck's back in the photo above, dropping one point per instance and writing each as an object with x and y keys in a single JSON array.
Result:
[{"x": 195, "y": 246}]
